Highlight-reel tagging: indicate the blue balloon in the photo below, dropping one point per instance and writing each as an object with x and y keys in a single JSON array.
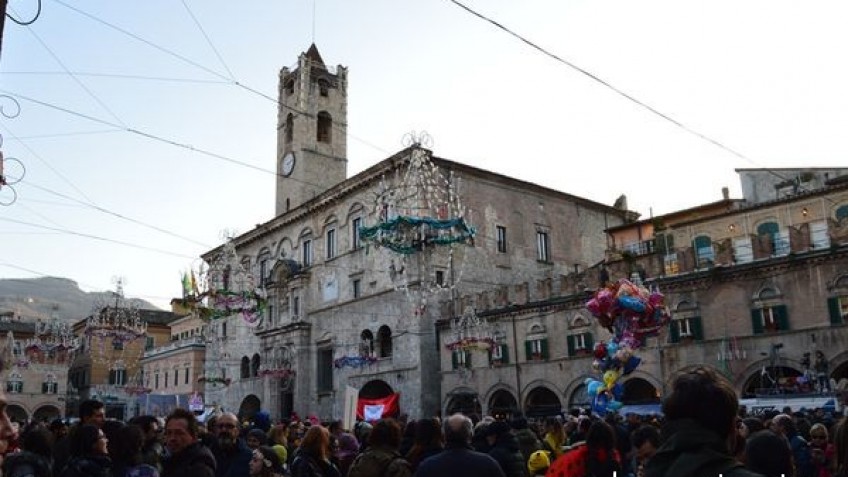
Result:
[
  {"x": 614, "y": 405},
  {"x": 612, "y": 347},
  {"x": 599, "y": 404},
  {"x": 631, "y": 364},
  {"x": 631, "y": 303},
  {"x": 618, "y": 390},
  {"x": 593, "y": 387}
]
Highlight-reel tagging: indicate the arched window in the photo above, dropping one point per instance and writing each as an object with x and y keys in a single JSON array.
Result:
[
  {"x": 289, "y": 128},
  {"x": 779, "y": 240},
  {"x": 384, "y": 342},
  {"x": 366, "y": 343},
  {"x": 245, "y": 367},
  {"x": 842, "y": 213},
  {"x": 325, "y": 127},
  {"x": 254, "y": 365}
]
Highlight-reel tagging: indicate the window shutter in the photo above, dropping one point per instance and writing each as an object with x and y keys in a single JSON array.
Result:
[
  {"x": 504, "y": 354},
  {"x": 571, "y": 345},
  {"x": 544, "y": 343},
  {"x": 697, "y": 329},
  {"x": 454, "y": 360},
  {"x": 44, "y": 388},
  {"x": 528, "y": 350},
  {"x": 782, "y": 317},
  {"x": 674, "y": 332},
  {"x": 590, "y": 343},
  {"x": 467, "y": 359},
  {"x": 757, "y": 321},
  {"x": 835, "y": 312}
]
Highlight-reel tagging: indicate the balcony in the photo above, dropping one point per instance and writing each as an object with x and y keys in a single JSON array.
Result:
[{"x": 194, "y": 341}]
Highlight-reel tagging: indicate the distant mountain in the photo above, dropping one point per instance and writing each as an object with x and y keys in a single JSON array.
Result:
[{"x": 33, "y": 298}]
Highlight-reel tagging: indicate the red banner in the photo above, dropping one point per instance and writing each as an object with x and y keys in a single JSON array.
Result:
[{"x": 376, "y": 409}]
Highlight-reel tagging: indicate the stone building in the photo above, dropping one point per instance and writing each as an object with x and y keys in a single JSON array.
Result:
[
  {"x": 35, "y": 359},
  {"x": 753, "y": 286},
  {"x": 336, "y": 318}
]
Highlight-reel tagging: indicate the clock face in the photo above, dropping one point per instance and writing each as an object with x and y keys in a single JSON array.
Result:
[{"x": 288, "y": 164}]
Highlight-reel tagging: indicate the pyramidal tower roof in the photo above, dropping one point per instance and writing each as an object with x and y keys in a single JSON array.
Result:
[{"x": 314, "y": 56}]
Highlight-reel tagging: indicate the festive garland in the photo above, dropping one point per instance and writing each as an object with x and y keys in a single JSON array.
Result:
[
  {"x": 386, "y": 234},
  {"x": 137, "y": 390},
  {"x": 224, "y": 381},
  {"x": 354, "y": 361},
  {"x": 277, "y": 373},
  {"x": 465, "y": 344},
  {"x": 22, "y": 363}
]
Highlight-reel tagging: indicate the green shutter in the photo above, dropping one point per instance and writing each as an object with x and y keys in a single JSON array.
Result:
[
  {"x": 782, "y": 317},
  {"x": 590, "y": 343},
  {"x": 835, "y": 311},
  {"x": 697, "y": 329},
  {"x": 544, "y": 343},
  {"x": 570, "y": 340},
  {"x": 528, "y": 351},
  {"x": 454, "y": 361},
  {"x": 504, "y": 354},
  {"x": 467, "y": 359},
  {"x": 674, "y": 332},
  {"x": 757, "y": 321}
]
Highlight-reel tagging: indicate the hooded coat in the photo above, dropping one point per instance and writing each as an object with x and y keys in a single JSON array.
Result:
[
  {"x": 693, "y": 451},
  {"x": 380, "y": 462},
  {"x": 507, "y": 453},
  {"x": 195, "y": 460}
]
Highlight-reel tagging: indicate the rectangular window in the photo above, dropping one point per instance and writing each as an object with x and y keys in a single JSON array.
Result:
[
  {"x": 307, "y": 253},
  {"x": 296, "y": 306},
  {"x": 440, "y": 278},
  {"x": 186, "y": 375},
  {"x": 117, "y": 345},
  {"x": 14, "y": 387},
  {"x": 224, "y": 329},
  {"x": 263, "y": 272},
  {"x": 769, "y": 319},
  {"x": 819, "y": 237},
  {"x": 355, "y": 239},
  {"x": 325, "y": 370},
  {"x": 50, "y": 387},
  {"x": 118, "y": 377},
  {"x": 501, "y": 238},
  {"x": 357, "y": 288},
  {"x": 536, "y": 349},
  {"x": 331, "y": 243},
  {"x": 743, "y": 252},
  {"x": 705, "y": 255},
  {"x": 176, "y": 377},
  {"x": 543, "y": 246},
  {"x": 461, "y": 359},
  {"x": 166, "y": 379},
  {"x": 149, "y": 342},
  {"x": 670, "y": 264},
  {"x": 156, "y": 381},
  {"x": 838, "y": 308}
]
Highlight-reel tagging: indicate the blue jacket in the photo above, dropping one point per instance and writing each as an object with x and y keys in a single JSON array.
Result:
[
  {"x": 459, "y": 461},
  {"x": 235, "y": 463}
]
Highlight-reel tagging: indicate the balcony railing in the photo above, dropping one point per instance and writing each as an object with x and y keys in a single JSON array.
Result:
[{"x": 175, "y": 345}]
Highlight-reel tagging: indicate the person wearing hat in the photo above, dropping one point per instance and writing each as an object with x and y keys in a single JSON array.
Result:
[
  {"x": 539, "y": 463},
  {"x": 503, "y": 447}
]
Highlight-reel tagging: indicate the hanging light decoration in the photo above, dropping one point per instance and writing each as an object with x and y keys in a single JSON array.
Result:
[
  {"x": 422, "y": 223},
  {"x": 116, "y": 321},
  {"x": 469, "y": 332}
]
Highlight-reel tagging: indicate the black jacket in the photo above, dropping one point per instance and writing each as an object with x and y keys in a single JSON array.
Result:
[
  {"x": 27, "y": 463},
  {"x": 460, "y": 462},
  {"x": 195, "y": 460},
  {"x": 307, "y": 465},
  {"x": 88, "y": 466},
  {"x": 508, "y": 454}
]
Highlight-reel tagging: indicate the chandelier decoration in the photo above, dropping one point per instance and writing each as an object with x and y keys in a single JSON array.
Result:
[
  {"x": 53, "y": 342},
  {"x": 280, "y": 366},
  {"x": 230, "y": 290},
  {"x": 421, "y": 222},
  {"x": 470, "y": 333},
  {"x": 117, "y": 322}
]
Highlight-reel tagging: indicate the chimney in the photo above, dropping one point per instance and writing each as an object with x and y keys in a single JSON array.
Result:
[{"x": 725, "y": 193}]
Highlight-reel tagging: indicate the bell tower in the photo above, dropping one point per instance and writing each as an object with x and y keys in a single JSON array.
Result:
[{"x": 311, "y": 130}]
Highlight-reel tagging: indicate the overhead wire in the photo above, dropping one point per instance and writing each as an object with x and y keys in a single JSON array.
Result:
[
  {"x": 117, "y": 76},
  {"x": 208, "y": 40}
]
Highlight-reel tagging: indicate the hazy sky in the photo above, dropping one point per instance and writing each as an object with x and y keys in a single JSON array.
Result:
[{"x": 111, "y": 86}]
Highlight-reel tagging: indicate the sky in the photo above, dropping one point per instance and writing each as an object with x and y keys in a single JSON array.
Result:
[{"x": 148, "y": 129}]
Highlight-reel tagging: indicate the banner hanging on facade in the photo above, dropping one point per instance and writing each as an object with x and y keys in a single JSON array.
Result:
[{"x": 376, "y": 409}]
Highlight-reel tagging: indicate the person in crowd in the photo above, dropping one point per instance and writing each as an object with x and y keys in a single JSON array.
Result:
[
  {"x": 478, "y": 438},
  {"x": 767, "y": 453},
  {"x": 408, "y": 438},
  {"x": 622, "y": 440},
  {"x": 840, "y": 444},
  {"x": 346, "y": 447},
  {"x": 503, "y": 447},
  {"x": 528, "y": 442},
  {"x": 699, "y": 434},
  {"x": 752, "y": 424},
  {"x": 645, "y": 441},
  {"x": 579, "y": 432},
  {"x": 126, "y": 451},
  {"x": 596, "y": 457},
  {"x": 59, "y": 428},
  {"x": 36, "y": 456},
  {"x": 428, "y": 442},
  {"x": 187, "y": 457},
  {"x": 255, "y": 438},
  {"x": 232, "y": 454},
  {"x": 554, "y": 438},
  {"x": 89, "y": 454},
  {"x": 822, "y": 368},
  {"x": 278, "y": 435},
  {"x": 539, "y": 463},
  {"x": 821, "y": 450},
  {"x": 312, "y": 458},
  {"x": 459, "y": 458},
  {"x": 91, "y": 411},
  {"x": 152, "y": 450},
  {"x": 110, "y": 429},
  {"x": 382, "y": 458},
  {"x": 784, "y": 425},
  {"x": 265, "y": 463},
  {"x": 362, "y": 430}
]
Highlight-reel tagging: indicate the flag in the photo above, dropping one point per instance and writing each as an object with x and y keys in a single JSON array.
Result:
[{"x": 376, "y": 409}]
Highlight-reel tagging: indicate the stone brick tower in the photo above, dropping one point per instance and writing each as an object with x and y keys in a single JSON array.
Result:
[{"x": 311, "y": 130}]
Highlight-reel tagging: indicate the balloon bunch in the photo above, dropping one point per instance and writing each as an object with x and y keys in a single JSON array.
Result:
[{"x": 631, "y": 313}]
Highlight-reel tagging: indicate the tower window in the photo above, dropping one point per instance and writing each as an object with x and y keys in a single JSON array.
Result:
[
  {"x": 501, "y": 238},
  {"x": 289, "y": 87},
  {"x": 289, "y": 128},
  {"x": 325, "y": 127},
  {"x": 324, "y": 88}
]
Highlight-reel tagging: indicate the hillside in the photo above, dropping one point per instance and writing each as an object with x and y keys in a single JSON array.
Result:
[{"x": 34, "y": 298}]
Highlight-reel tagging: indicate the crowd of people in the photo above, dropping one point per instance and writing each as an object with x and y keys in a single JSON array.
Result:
[{"x": 703, "y": 432}]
